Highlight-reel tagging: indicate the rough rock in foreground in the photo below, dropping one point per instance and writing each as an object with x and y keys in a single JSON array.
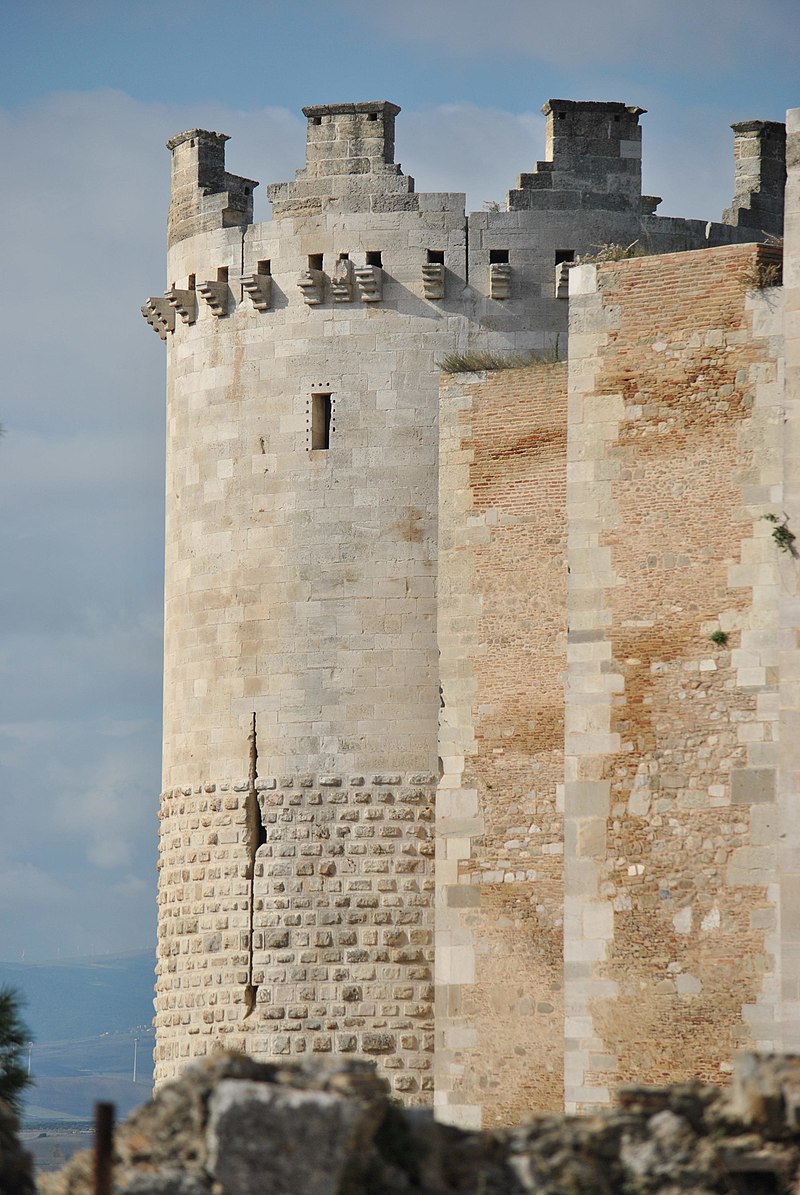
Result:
[
  {"x": 231, "y": 1126},
  {"x": 16, "y": 1170}
]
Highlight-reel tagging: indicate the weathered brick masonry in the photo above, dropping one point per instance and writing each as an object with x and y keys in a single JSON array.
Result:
[
  {"x": 674, "y": 458},
  {"x": 502, "y": 637}
]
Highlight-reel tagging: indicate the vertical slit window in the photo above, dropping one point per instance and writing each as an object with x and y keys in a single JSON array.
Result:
[{"x": 320, "y": 421}]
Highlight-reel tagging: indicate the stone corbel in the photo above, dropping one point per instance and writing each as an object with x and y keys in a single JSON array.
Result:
[
  {"x": 312, "y": 284},
  {"x": 433, "y": 280},
  {"x": 159, "y": 315},
  {"x": 499, "y": 280},
  {"x": 369, "y": 280},
  {"x": 342, "y": 281},
  {"x": 216, "y": 295},
  {"x": 562, "y": 279},
  {"x": 259, "y": 288},
  {"x": 184, "y": 302}
]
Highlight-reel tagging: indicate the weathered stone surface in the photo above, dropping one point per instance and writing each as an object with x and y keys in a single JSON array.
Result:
[{"x": 332, "y": 1131}]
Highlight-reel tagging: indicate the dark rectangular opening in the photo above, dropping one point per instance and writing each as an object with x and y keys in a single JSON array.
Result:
[
  {"x": 265, "y": 267},
  {"x": 344, "y": 257},
  {"x": 315, "y": 261},
  {"x": 372, "y": 116},
  {"x": 436, "y": 257},
  {"x": 191, "y": 281},
  {"x": 564, "y": 255},
  {"x": 498, "y": 257},
  {"x": 316, "y": 120},
  {"x": 222, "y": 274},
  {"x": 374, "y": 257},
  {"x": 320, "y": 421}
]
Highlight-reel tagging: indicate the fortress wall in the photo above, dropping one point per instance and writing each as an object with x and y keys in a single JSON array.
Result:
[
  {"x": 502, "y": 592},
  {"x": 296, "y": 886},
  {"x": 789, "y": 763},
  {"x": 670, "y": 868}
]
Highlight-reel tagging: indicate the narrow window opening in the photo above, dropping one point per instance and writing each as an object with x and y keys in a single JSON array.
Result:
[
  {"x": 191, "y": 281},
  {"x": 316, "y": 120},
  {"x": 320, "y": 421},
  {"x": 498, "y": 257},
  {"x": 315, "y": 261},
  {"x": 344, "y": 257},
  {"x": 264, "y": 267},
  {"x": 222, "y": 274},
  {"x": 191, "y": 143},
  {"x": 436, "y": 257},
  {"x": 372, "y": 116},
  {"x": 374, "y": 257},
  {"x": 561, "y": 115},
  {"x": 247, "y": 190},
  {"x": 564, "y": 255}
]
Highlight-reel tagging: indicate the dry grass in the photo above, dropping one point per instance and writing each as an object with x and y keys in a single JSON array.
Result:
[
  {"x": 613, "y": 252},
  {"x": 485, "y": 362}
]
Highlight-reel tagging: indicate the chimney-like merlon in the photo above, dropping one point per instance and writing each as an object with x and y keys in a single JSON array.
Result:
[{"x": 759, "y": 150}]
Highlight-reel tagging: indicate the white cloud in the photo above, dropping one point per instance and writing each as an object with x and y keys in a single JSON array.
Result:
[{"x": 698, "y": 38}]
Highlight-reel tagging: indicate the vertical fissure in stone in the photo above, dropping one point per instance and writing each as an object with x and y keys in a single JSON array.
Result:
[
  {"x": 256, "y": 837},
  {"x": 466, "y": 251}
]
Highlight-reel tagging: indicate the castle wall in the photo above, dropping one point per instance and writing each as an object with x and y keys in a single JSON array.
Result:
[
  {"x": 788, "y": 930},
  {"x": 302, "y": 670},
  {"x": 502, "y": 639},
  {"x": 674, "y": 457}
]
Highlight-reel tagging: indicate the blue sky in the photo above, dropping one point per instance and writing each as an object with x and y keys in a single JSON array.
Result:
[{"x": 89, "y": 92}]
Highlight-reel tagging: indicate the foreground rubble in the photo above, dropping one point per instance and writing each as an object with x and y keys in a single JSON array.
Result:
[{"x": 231, "y": 1126}]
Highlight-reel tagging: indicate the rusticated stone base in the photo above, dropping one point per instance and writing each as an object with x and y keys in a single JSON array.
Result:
[{"x": 297, "y": 917}]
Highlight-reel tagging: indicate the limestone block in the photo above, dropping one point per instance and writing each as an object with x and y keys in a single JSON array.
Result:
[
  {"x": 433, "y": 280},
  {"x": 216, "y": 294},
  {"x": 259, "y": 289},
  {"x": 184, "y": 302},
  {"x": 369, "y": 280},
  {"x": 342, "y": 281},
  {"x": 271, "y": 1139},
  {"x": 312, "y": 287},
  {"x": 500, "y": 281},
  {"x": 160, "y": 315}
]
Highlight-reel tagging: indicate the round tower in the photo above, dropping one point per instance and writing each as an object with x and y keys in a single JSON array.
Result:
[{"x": 300, "y": 679}]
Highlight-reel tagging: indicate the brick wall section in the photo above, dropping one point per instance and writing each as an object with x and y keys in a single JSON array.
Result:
[
  {"x": 502, "y": 590},
  {"x": 674, "y": 459}
]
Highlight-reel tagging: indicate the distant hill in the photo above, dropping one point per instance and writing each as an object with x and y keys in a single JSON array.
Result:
[
  {"x": 84, "y": 997},
  {"x": 88, "y": 1018}
]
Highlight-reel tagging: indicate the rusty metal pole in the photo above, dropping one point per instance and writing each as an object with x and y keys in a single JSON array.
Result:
[{"x": 103, "y": 1147}]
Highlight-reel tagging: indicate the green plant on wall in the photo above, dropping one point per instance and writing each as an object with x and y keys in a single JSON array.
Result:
[
  {"x": 781, "y": 533},
  {"x": 719, "y": 637}
]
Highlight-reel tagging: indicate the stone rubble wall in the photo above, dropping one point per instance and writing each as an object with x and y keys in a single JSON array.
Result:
[
  {"x": 671, "y": 877},
  {"x": 502, "y": 639},
  {"x": 231, "y": 1126}
]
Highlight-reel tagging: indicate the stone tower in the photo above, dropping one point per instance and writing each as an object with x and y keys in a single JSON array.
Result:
[{"x": 301, "y": 683}]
